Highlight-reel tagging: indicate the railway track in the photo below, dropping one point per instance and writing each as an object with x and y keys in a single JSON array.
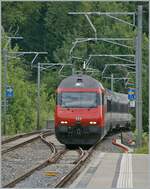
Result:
[
  {"x": 63, "y": 182},
  {"x": 85, "y": 155},
  {"x": 10, "y": 139},
  {"x": 57, "y": 169},
  {"x": 40, "y": 136},
  {"x": 74, "y": 159},
  {"x": 20, "y": 140}
]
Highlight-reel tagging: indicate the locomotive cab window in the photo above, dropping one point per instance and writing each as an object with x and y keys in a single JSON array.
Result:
[
  {"x": 79, "y": 100},
  {"x": 58, "y": 99}
]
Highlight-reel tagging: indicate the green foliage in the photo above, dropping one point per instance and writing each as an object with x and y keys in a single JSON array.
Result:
[
  {"x": 144, "y": 149},
  {"x": 133, "y": 121},
  {"x": 145, "y": 95},
  {"x": 21, "y": 111},
  {"x": 46, "y": 26}
]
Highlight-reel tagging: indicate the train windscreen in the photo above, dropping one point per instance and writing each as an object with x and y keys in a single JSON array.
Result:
[{"x": 79, "y": 100}]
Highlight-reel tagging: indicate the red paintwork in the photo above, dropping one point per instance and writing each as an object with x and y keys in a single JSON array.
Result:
[
  {"x": 125, "y": 149},
  {"x": 98, "y": 90},
  {"x": 86, "y": 114}
]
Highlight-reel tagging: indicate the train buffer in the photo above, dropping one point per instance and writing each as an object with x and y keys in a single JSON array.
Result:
[
  {"x": 115, "y": 170},
  {"x": 121, "y": 145}
]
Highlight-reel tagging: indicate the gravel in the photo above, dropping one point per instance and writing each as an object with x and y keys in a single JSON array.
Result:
[
  {"x": 39, "y": 179},
  {"x": 104, "y": 146},
  {"x": 20, "y": 160},
  {"x": 17, "y": 162},
  {"x": 54, "y": 140},
  {"x": 69, "y": 157},
  {"x": 107, "y": 146}
]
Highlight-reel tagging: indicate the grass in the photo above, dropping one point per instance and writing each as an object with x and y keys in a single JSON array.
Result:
[{"x": 142, "y": 150}]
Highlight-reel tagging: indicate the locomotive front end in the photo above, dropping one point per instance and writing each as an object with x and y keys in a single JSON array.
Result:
[{"x": 78, "y": 115}]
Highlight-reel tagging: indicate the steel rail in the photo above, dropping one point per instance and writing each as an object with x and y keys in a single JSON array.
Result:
[
  {"x": 23, "y": 143},
  {"x": 84, "y": 156},
  {"x": 19, "y": 136},
  {"x": 19, "y": 145},
  {"x": 40, "y": 166},
  {"x": 57, "y": 156},
  {"x": 81, "y": 153},
  {"x": 73, "y": 171},
  {"x": 50, "y": 144},
  {"x": 23, "y": 176},
  {"x": 54, "y": 157}
]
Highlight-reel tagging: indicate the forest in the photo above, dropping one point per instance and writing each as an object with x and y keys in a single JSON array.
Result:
[{"x": 47, "y": 27}]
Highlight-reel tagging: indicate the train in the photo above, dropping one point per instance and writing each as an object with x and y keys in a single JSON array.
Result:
[{"x": 85, "y": 111}]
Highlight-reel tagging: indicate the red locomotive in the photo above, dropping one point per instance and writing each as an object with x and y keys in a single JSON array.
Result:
[{"x": 85, "y": 111}]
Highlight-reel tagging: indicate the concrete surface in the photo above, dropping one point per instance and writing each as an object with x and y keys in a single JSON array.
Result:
[{"x": 114, "y": 170}]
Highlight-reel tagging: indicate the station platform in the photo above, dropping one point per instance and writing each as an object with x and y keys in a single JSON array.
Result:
[{"x": 116, "y": 170}]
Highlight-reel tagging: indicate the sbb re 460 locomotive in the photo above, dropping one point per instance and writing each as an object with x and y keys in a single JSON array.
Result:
[{"x": 86, "y": 111}]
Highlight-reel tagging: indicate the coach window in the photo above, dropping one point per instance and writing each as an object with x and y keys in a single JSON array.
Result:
[
  {"x": 122, "y": 108},
  {"x": 113, "y": 106},
  {"x": 102, "y": 98},
  {"x": 126, "y": 108},
  {"x": 108, "y": 105}
]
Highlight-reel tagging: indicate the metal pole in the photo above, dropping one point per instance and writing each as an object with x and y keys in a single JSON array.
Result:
[
  {"x": 121, "y": 137},
  {"x": 5, "y": 87},
  {"x": 73, "y": 70},
  {"x": 73, "y": 67},
  {"x": 84, "y": 67},
  {"x": 38, "y": 98},
  {"x": 112, "y": 82},
  {"x": 139, "y": 78}
]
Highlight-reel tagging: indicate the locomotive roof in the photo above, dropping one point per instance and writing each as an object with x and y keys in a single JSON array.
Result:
[{"x": 83, "y": 81}]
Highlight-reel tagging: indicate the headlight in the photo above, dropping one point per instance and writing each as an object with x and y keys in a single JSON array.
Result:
[
  {"x": 64, "y": 122},
  {"x": 92, "y": 122}
]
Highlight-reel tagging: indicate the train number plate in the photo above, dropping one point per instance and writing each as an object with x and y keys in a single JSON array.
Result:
[{"x": 78, "y": 131}]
